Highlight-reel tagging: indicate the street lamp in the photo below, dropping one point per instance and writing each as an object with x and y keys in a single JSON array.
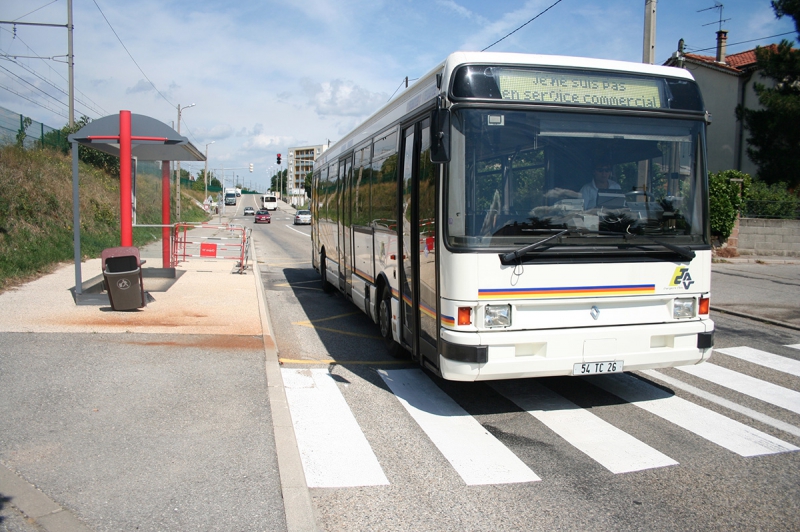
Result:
[
  {"x": 178, "y": 166},
  {"x": 205, "y": 174}
]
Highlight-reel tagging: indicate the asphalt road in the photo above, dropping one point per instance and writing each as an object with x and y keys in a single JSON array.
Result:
[
  {"x": 758, "y": 289},
  {"x": 729, "y": 461}
]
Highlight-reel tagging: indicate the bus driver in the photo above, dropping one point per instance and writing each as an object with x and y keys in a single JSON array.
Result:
[{"x": 600, "y": 180}]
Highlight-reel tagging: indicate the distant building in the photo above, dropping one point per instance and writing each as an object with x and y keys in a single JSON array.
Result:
[
  {"x": 725, "y": 81},
  {"x": 299, "y": 162}
]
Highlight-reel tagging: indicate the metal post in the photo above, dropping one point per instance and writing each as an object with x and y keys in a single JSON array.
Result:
[
  {"x": 166, "y": 242},
  {"x": 71, "y": 62},
  {"x": 76, "y": 219},
  {"x": 125, "y": 207}
]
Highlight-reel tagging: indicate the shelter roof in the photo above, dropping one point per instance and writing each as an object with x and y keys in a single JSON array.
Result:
[{"x": 152, "y": 140}]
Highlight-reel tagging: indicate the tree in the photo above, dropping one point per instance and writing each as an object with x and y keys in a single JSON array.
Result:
[
  {"x": 774, "y": 143},
  {"x": 725, "y": 200}
]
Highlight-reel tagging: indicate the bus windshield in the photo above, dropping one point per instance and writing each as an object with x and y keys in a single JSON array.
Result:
[{"x": 517, "y": 176}]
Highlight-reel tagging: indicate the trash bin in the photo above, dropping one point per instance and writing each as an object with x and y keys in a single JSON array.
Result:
[{"x": 122, "y": 275}]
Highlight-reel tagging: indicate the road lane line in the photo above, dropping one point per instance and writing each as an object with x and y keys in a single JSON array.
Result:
[
  {"x": 476, "y": 455},
  {"x": 295, "y": 230},
  {"x": 334, "y": 451},
  {"x": 614, "y": 449},
  {"x": 716, "y": 428},
  {"x": 730, "y": 405},
  {"x": 794, "y": 346},
  {"x": 329, "y": 361},
  {"x": 763, "y": 358},
  {"x": 739, "y": 382}
]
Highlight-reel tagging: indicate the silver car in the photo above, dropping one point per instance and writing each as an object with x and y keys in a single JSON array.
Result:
[{"x": 302, "y": 218}]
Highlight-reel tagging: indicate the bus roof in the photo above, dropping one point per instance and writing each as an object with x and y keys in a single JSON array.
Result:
[{"x": 425, "y": 89}]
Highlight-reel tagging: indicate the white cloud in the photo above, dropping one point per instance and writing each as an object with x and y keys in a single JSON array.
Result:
[
  {"x": 141, "y": 86},
  {"x": 342, "y": 98}
]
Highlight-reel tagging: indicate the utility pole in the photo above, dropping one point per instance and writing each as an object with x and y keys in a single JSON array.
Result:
[
  {"x": 178, "y": 170},
  {"x": 649, "y": 44},
  {"x": 70, "y": 57}
]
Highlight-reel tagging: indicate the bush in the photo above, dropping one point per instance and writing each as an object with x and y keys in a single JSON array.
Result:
[
  {"x": 770, "y": 201},
  {"x": 725, "y": 200}
]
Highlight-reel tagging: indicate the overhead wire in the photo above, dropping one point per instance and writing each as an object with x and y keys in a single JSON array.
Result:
[
  {"x": 12, "y": 58},
  {"x": 12, "y": 91},
  {"x": 692, "y": 50},
  {"x": 516, "y": 30},
  {"x": 34, "y": 11},
  {"x": 130, "y": 55}
]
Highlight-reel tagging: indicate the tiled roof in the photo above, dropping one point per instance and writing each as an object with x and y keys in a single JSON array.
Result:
[{"x": 733, "y": 62}]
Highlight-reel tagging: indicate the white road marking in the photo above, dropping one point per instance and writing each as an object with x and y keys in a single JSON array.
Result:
[
  {"x": 716, "y": 428},
  {"x": 763, "y": 358},
  {"x": 333, "y": 449},
  {"x": 739, "y": 382},
  {"x": 730, "y": 405},
  {"x": 476, "y": 455},
  {"x": 794, "y": 346},
  {"x": 614, "y": 449},
  {"x": 295, "y": 230}
]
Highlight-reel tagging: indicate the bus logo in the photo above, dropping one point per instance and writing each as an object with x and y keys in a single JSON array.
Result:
[{"x": 681, "y": 276}]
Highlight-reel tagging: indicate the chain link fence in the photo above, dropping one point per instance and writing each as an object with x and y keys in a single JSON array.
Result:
[{"x": 23, "y": 131}]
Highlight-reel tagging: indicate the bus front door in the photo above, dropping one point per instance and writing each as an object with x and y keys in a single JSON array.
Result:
[{"x": 419, "y": 303}]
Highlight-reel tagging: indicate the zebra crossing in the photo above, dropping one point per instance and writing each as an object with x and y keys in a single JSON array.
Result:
[{"x": 336, "y": 453}]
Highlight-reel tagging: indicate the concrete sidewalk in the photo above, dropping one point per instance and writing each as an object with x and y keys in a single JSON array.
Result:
[{"x": 171, "y": 417}]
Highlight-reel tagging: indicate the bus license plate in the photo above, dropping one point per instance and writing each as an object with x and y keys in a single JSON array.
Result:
[{"x": 594, "y": 368}]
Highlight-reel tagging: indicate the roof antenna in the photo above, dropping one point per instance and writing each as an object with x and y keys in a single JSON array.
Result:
[{"x": 717, "y": 5}]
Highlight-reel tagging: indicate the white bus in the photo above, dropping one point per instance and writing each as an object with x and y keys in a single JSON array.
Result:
[
  {"x": 269, "y": 202},
  {"x": 520, "y": 216}
]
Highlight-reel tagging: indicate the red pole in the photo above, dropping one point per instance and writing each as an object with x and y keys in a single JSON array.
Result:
[
  {"x": 125, "y": 199},
  {"x": 166, "y": 252}
]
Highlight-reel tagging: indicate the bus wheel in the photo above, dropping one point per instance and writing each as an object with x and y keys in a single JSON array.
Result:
[
  {"x": 385, "y": 322},
  {"x": 323, "y": 272}
]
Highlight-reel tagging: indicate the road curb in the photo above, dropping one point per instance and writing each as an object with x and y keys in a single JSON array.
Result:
[
  {"x": 37, "y": 506},
  {"x": 298, "y": 508},
  {"x": 756, "y": 318}
]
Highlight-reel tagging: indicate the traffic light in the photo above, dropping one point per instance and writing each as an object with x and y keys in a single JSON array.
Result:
[
  {"x": 279, "y": 158},
  {"x": 251, "y": 167}
]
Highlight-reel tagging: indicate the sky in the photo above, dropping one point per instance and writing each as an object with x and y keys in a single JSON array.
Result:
[{"x": 266, "y": 75}]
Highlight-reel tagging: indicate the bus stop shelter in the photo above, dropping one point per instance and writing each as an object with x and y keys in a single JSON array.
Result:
[{"x": 127, "y": 136}]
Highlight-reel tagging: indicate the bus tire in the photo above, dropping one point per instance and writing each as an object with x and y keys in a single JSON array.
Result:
[
  {"x": 327, "y": 287},
  {"x": 385, "y": 322}
]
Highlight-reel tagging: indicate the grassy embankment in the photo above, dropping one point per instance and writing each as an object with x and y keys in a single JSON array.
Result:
[{"x": 36, "y": 212}]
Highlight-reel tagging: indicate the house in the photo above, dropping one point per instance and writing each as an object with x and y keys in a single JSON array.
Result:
[{"x": 725, "y": 81}]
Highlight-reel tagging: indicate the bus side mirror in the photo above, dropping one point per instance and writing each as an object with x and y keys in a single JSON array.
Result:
[{"x": 440, "y": 136}]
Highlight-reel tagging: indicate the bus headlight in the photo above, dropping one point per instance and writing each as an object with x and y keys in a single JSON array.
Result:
[
  {"x": 683, "y": 308},
  {"x": 497, "y": 316}
]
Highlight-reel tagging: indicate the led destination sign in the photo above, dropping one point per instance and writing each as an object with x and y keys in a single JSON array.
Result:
[{"x": 575, "y": 88}]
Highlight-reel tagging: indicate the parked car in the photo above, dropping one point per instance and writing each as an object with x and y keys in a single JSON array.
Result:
[
  {"x": 302, "y": 218},
  {"x": 249, "y": 210},
  {"x": 262, "y": 216}
]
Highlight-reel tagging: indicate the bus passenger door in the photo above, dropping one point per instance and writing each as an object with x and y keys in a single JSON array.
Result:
[
  {"x": 345, "y": 226},
  {"x": 418, "y": 272}
]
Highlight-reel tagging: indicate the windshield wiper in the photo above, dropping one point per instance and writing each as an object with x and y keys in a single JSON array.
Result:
[
  {"x": 684, "y": 252},
  {"x": 505, "y": 258}
]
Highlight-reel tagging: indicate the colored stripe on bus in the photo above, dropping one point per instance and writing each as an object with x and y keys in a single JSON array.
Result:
[{"x": 568, "y": 291}]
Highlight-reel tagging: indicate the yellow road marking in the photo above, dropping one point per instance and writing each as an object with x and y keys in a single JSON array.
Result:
[
  {"x": 298, "y": 287},
  {"x": 285, "y": 263},
  {"x": 337, "y": 331},
  {"x": 344, "y": 362},
  {"x": 330, "y": 318}
]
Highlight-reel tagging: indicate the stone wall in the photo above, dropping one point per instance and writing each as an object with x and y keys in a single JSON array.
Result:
[{"x": 759, "y": 236}]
